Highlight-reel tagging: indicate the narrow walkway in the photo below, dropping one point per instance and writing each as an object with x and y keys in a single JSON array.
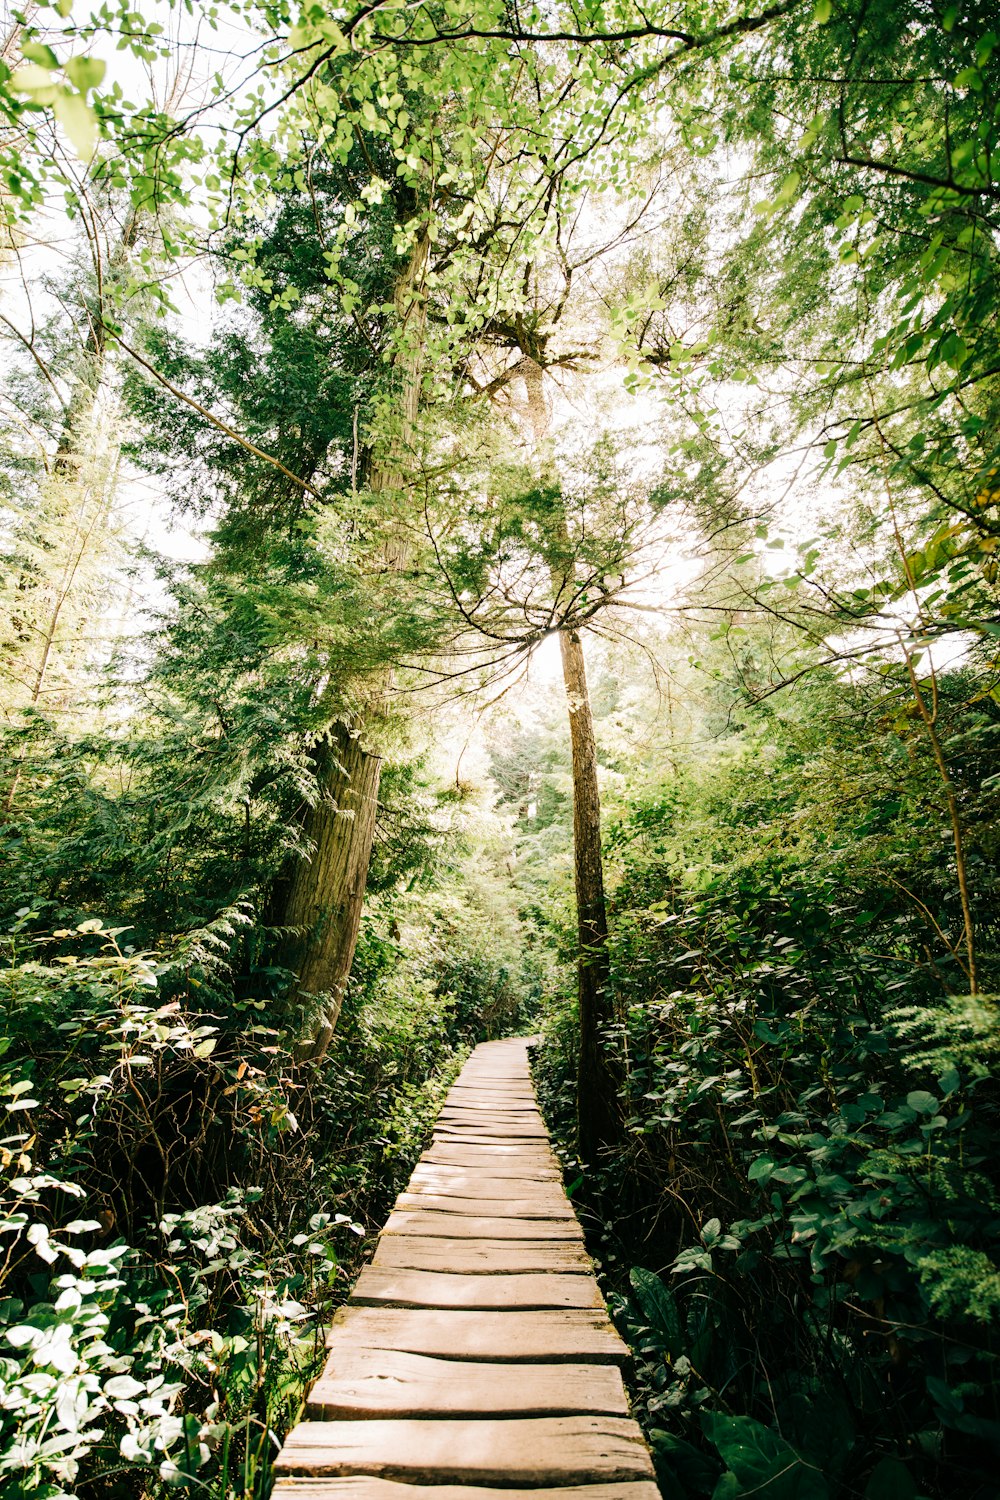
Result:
[{"x": 475, "y": 1354}]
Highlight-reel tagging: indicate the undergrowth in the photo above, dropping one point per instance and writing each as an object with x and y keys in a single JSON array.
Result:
[
  {"x": 183, "y": 1206},
  {"x": 799, "y": 1231}
]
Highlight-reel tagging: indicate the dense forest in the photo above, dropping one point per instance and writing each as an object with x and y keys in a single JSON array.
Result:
[{"x": 499, "y": 523}]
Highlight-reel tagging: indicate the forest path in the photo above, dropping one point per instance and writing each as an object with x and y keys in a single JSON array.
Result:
[{"x": 475, "y": 1356}]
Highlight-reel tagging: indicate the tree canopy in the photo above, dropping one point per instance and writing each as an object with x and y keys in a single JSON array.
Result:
[{"x": 499, "y": 511}]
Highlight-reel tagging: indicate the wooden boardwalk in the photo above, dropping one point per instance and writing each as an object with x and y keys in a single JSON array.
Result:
[{"x": 475, "y": 1355}]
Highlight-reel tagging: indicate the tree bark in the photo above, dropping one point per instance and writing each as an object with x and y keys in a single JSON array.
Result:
[
  {"x": 326, "y": 897},
  {"x": 598, "y": 1123},
  {"x": 328, "y": 887}
]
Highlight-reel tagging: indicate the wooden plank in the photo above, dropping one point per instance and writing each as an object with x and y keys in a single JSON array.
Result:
[
  {"x": 517, "y": 1095},
  {"x": 526, "y": 1148},
  {"x": 514, "y": 1100},
  {"x": 569, "y": 1335},
  {"x": 495, "y": 1078},
  {"x": 533, "y": 1168},
  {"x": 490, "y": 1114},
  {"x": 381, "y": 1383},
  {"x": 529, "y": 1152},
  {"x": 401, "y": 1288},
  {"x": 480, "y": 1257},
  {"x": 526, "y": 1160},
  {"x": 431, "y": 1225},
  {"x": 459, "y": 1135},
  {"x": 490, "y": 1111},
  {"x": 526, "y": 1122},
  {"x": 529, "y": 1451},
  {"x": 367, "y": 1487},
  {"x": 457, "y": 1182},
  {"x": 485, "y": 1089},
  {"x": 537, "y": 1206}
]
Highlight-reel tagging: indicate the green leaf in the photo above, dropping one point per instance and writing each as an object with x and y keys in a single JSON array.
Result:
[
  {"x": 922, "y": 1101},
  {"x": 86, "y": 72},
  {"x": 763, "y": 1463},
  {"x": 659, "y": 1308},
  {"x": 822, "y": 12},
  {"x": 890, "y": 1480},
  {"x": 690, "y": 1467},
  {"x": 38, "y": 52},
  {"x": 711, "y": 1233},
  {"x": 79, "y": 122},
  {"x": 36, "y": 81}
]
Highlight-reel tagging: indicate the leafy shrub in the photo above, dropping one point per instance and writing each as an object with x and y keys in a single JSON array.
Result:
[
  {"x": 180, "y": 1205},
  {"x": 808, "y": 1162}
]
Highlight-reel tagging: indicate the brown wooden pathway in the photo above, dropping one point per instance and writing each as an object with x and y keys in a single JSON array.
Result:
[{"x": 475, "y": 1354}]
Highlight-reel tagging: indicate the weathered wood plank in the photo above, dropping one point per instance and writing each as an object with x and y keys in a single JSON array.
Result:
[
  {"x": 382, "y": 1383},
  {"x": 431, "y": 1225},
  {"x": 529, "y": 1451},
  {"x": 480, "y": 1257},
  {"x": 528, "y": 1153},
  {"x": 366, "y": 1487},
  {"x": 457, "y": 1135},
  {"x": 535, "y": 1167},
  {"x": 378, "y": 1287},
  {"x": 457, "y": 1182},
  {"x": 569, "y": 1335},
  {"x": 477, "y": 1113},
  {"x": 485, "y": 1089},
  {"x": 507, "y": 1101},
  {"x": 537, "y": 1206},
  {"x": 510, "y": 1096}
]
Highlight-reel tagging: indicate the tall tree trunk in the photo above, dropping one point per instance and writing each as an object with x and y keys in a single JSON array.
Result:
[
  {"x": 327, "y": 890},
  {"x": 598, "y": 1121}
]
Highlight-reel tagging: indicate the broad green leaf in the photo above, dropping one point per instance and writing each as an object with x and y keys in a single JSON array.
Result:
[
  {"x": 79, "y": 122},
  {"x": 38, "y": 52},
  {"x": 890, "y": 1480},
  {"x": 764, "y": 1464},
  {"x": 659, "y": 1308},
  {"x": 86, "y": 72},
  {"x": 36, "y": 81}
]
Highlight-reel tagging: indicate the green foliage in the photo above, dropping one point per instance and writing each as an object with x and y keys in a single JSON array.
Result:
[
  {"x": 809, "y": 1119},
  {"x": 181, "y": 1206}
]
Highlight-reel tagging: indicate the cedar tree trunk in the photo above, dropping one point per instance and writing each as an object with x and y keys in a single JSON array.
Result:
[
  {"x": 327, "y": 892},
  {"x": 598, "y": 1123}
]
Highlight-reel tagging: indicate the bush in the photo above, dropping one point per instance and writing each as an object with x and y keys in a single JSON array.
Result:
[
  {"x": 180, "y": 1205},
  {"x": 807, "y": 1197}
]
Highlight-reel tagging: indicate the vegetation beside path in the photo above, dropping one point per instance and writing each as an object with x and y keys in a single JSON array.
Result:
[{"x": 798, "y": 1233}]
